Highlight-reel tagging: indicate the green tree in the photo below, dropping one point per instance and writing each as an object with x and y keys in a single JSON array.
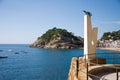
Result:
[
  {"x": 52, "y": 33},
  {"x": 115, "y": 35}
]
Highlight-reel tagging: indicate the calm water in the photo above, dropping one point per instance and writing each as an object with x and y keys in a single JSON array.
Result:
[{"x": 36, "y": 64}]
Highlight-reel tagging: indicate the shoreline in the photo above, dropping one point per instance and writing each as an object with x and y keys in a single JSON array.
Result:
[{"x": 113, "y": 49}]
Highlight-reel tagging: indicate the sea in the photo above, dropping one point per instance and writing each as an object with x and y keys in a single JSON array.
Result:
[{"x": 25, "y": 63}]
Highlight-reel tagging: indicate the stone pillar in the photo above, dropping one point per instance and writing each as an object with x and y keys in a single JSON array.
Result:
[{"x": 90, "y": 38}]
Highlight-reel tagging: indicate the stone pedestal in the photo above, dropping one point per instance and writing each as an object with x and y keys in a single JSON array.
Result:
[{"x": 90, "y": 38}]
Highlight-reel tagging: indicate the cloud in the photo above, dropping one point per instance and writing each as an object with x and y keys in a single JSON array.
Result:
[
  {"x": 111, "y": 22},
  {"x": 116, "y": 22}
]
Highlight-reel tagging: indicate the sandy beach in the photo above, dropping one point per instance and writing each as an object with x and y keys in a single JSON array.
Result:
[{"x": 113, "y": 49}]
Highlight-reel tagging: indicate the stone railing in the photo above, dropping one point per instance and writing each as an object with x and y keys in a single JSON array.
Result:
[
  {"x": 78, "y": 68},
  {"x": 73, "y": 72}
]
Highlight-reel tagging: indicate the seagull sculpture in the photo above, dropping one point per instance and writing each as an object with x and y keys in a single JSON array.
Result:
[{"x": 87, "y": 13}]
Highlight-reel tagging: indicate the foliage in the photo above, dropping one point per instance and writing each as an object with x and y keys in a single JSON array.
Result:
[
  {"x": 115, "y": 35},
  {"x": 55, "y": 32}
]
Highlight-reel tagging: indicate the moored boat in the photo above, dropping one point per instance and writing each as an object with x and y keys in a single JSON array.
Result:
[
  {"x": 10, "y": 50},
  {"x": 3, "y": 56},
  {"x": 1, "y": 50},
  {"x": 16, "y": 53},
  {"x": 23, "y": 51}
]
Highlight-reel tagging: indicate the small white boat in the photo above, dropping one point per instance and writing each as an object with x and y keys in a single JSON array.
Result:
[{"x": 10, "y": 50}]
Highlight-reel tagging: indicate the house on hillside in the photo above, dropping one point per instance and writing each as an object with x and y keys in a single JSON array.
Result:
[{"x": 108, "y": 44}]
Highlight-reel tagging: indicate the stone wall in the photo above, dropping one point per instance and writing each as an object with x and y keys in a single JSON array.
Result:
[
  {"x": 73, "y": 72},
  {"x": 78, "y": 67}
]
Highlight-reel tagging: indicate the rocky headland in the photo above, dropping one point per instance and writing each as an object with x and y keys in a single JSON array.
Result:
[{"x": 58, "y": 39}]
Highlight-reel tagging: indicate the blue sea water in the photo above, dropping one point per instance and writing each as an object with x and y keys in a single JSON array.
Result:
[{"x": 37, "y": 63}]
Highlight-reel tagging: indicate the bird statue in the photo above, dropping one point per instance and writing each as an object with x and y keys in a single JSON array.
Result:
[{"x": 87, "y": 13}]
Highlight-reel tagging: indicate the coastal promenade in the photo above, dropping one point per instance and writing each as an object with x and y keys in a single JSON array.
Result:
[
  {"x": 92, "y": 66},
  {"x": 79, "y": 70}
]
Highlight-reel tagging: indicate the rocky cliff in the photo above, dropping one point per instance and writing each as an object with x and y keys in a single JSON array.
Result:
[
  {"x": 115, "y": 35},
  {"x": 58, "y": 39}
]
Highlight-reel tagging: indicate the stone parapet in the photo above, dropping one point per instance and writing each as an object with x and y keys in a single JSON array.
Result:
[
  {"x": 78, "y": 67},
  {"x": 73, "y": 72}
]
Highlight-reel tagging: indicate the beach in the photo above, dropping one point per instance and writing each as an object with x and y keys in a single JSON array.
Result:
[{"x": 113, "y": 49}]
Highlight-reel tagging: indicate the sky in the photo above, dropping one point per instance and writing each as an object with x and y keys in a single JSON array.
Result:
[{"x": 22, "y": 21}]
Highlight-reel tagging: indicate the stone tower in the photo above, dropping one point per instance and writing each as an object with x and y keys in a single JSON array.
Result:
[{"x": 90, "y": 37}]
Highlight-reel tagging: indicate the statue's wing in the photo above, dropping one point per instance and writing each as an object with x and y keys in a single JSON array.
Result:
[{"x": 87, "y": 13}]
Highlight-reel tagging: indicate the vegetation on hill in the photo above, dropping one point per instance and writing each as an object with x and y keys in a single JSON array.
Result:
[
  {"x": 53, "y": 33},
  {"x": 59, "y": 39},
  {"x": 115, "y": 35}
]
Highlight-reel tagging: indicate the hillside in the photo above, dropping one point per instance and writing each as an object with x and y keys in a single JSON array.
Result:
[
  {"x": 115, "y": 35},
  {"x": 58, "y": 39}
]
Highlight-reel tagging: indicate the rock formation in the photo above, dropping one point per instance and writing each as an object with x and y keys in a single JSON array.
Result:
[{"x": 58, "y": 39}]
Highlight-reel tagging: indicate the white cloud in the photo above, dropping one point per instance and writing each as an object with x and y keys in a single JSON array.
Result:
[
  {"x": 110, "y": 22},
  {"x": 116, "y": 22}
]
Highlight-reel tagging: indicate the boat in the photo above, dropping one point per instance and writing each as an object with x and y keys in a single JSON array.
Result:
[
  {"x": 3, "y": 57},
  {"x": 10, "y": 50},
  {"x": 16, "y": 53},
  {"x": 23, "y": 51},
  {"x": 1, "y": 50}
]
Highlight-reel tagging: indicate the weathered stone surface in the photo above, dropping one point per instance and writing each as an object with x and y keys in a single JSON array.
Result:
[
  {"x": 90, "y": 38},
  {"x": 73, "y": 72},
  {"x": 78, "y": 68},
  {"x": 60, "y": 42},
  {"x": 59, "y": 39}
]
